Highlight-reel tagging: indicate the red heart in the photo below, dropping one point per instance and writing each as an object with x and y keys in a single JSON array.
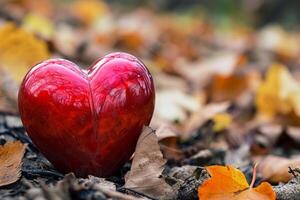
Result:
[{"x": 87, "y": 122}]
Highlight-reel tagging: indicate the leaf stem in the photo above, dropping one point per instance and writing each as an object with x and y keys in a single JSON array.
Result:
[{"x": 254, "y": 175}]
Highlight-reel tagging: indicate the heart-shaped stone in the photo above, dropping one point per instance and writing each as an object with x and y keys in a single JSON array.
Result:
[{"x": 87, "y": 122}]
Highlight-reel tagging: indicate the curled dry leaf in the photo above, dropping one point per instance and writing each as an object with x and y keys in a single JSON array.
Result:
[
  {"x": 229, "y": 183},
  {"x": 276, "y": 169},
  {"x": 11, "y": 155},
  {"x": 166, "y": 131},
  {"x": 147, "y": 166},
  {"x": 168, "y": 139}
]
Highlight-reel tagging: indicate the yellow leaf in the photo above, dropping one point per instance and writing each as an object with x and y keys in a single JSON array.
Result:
[
  {"x": 38, "y": 24},
  {"x": 229, "y": 183},
  {"x": 20, "y": 50},
  {"x": 221, "y": 121},
  {"x": 279, "y": 93},
  {"x": 11, "y": 155}
]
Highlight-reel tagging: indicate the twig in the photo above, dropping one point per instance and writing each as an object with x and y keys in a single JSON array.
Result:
[
  {"x": 128, "y": 190},
  {"x": 117, "y": 194},
  {"x": 42, "y": 173}
]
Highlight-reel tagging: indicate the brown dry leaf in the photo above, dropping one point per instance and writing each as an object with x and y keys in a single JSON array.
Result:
[
  {"x": 274, "y": 38},
  {"x": 205, "y": 113},
  {"x": 11, "y": 155},
  {"x": 294, "y": 133},
  {"x": 8, "y": 93},
  {"x": 266, "y": 137},
  {"x": 165, "y": 81},
  {"x": 278, "y": 94},
  {"x": 229, "y": 183},
  {"x": 275, "y": 169},
  {"x": 166, "y": 131},
  {"x": 174, "y": 105},
  {"x": 66, "y": 40},
  {"x": 147, "y": 166},
  {"x": 41, "y": 7},
  {"x": 133, "y": 33},
  {"x": 168, "y": 139},
  {"x": 202, "y": 71},
  {"x": 20, "y": 50}
]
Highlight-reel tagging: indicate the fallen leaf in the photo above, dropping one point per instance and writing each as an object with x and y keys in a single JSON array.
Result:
[
  {"x": 275, "y": 38},
  {"x": 38, "y": 24},
  {"x": 278, "y": 94},
  {"x": 11, "y": 155},
  {"x": 221, "y": 121},
  {"x": 71, "y": 186},
  {"x": 201, "y": 72},
  {"x": 294, "y": 133},
  {"x": 147, "y": 166},
  {"x": 231, "y": 87},
  {"x": 271, "y": 130},
  {"x": 174, "y": 105},
  {"x": 168, "y": 139},
  {"x": 100, "y": 182},
  {"x": 88, "y": 11},
  {"x": 276, "y": 169},
  {"x": 8, "y": 92},
  {"x": 224, "y": 88},
  {"x": 207, "y": 112},
  {"x": 66, "y": 41},
  {"x": 229, "y": 183},
  {"x": 165, "y": 81},
  {"x": 166, "y": 131},
  {"x": 265, "y": 138},
  {"x": 20, "y": 50},
  {"x": 41, "y": 7}
]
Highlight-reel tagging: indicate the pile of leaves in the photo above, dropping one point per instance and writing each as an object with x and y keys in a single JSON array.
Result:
[{"x": 226, "y": 111}]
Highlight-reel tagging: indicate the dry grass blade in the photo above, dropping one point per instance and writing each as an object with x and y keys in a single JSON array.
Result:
[{"x": 11, "y": 155}]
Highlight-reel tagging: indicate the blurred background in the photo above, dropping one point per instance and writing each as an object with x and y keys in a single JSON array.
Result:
[{"x": 224, "y": 68}]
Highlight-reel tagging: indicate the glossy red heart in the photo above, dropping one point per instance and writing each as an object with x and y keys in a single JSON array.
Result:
[{"x": 87, "y": 122}]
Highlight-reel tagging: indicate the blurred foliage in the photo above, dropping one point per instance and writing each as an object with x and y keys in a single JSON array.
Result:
[{"x": 226, "y": 12}]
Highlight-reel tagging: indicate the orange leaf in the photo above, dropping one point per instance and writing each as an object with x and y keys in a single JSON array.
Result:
[
  {"x": 229, "y": 183},
  {"x": 88, "y": 11},
  {"x": 11, "y": 155}
]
